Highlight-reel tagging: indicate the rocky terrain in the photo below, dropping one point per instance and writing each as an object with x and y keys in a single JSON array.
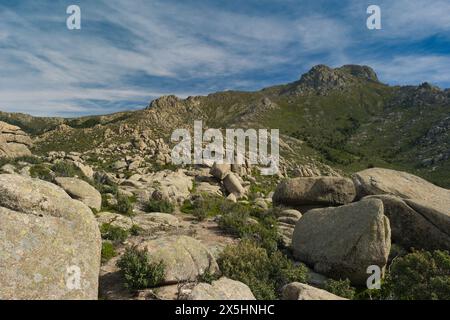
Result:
[{"x": 94, "y": 208}]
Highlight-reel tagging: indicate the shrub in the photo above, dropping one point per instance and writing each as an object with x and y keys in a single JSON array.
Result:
[
  {"x": 66, "y": 169},
  {"x": 42, "y": 172},
  {"x": 138, "y": 271},
  {"x": 265, "y": 274},
  {"x": 135, "y": 230},
  {"x": 340, "y": 288},
  {"x": 29, "y": 159},
  {"x": 204, "y": 206},
  {"x": 420, "y": 275},
  {"x": 108, "y": 251},
  {"x": 125, "y": 205},
  {"x": 113, "y": 233},
  {"x": 237, "y": 222},
  {"x": 163, "y": 205}
]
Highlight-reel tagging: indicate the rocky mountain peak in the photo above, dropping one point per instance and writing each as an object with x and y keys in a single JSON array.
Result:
[
  {"x": 164, "y": 102},
  {"x": 322, "y": 78}
]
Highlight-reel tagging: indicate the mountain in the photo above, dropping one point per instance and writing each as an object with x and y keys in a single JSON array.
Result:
[{"x": 343, "y": 117}]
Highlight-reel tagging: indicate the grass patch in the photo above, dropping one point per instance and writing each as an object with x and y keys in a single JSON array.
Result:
[{"x": 108, "y": 251}]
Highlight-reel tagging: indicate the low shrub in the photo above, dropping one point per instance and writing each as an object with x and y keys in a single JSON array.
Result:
[
  {"x": 125, "y": 205},
  {"x": 138, "y": 271},
  {"x": 163, "y": 205},
  {"x": 67, "y": 169},
  {"x": 420, "y": 275},
  {"x": 262, "y": 229},
  {"x": 113, "y": 233},
  {"x": 135, "y": 230},
  {"x": 42, "y": 172},
  {"x": 340, "y": 288},
  {"x": 264, "y": 273}
]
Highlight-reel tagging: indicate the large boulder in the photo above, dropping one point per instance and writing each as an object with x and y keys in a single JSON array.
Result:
[
  {"x": 342, "y": 242},
  {"x": 49, "y": 243},
  {"x": 185, "y": 258},
  {"x": 414, "y": 224},
  {"x": 13, "y": 141},
  {"x": 301, "y": 291},
  {"x": 323, "y": 191},
  {"x": 419, "y": 209},
  {"x": 81, "y": 190},
  {"x": 222, "y": 289},
  {"x": 401, "y": 184}
]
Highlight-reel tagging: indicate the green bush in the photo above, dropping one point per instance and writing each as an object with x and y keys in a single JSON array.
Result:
[
  {"x": 205, "y": 205},
  {"x": 42, "y": 172},
  {"x": 135, "y": 230},
  {"x": 66, "y": 169},
  {"x": 264, "y": 273},
  {"x": 420, "y": 275},
  {"x": 163, "y": 205},
  {"x": 237, "y": 221},
  {"x": 125, "y": 205},
  {"x": 340, "y": 288},
  {"x": 29, "y": 159},
  {"x": 138, "y": 271},
  {"x": 108, "y": 251},
  {"x": 113, "y": 233}
]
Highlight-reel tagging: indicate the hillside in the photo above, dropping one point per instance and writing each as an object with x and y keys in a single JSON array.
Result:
[{"x": 342, "y": 117}]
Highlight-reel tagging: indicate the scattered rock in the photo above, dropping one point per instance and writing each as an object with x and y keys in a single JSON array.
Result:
[
  {"x": 233, "y": 185},
  {"x": 222, "y": 289},
  {"x": 220, "y": 171},
  {"x": 301, "y": 291},
  {"x": 114, "y": 219}
]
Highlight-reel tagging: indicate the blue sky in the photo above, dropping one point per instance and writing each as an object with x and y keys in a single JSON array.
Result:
[{"x": 129, "y": 52}]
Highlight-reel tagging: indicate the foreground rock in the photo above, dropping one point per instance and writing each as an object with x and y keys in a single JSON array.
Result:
[
  {"x": 81, "y": 190},
  {"x": 185, "y": 258},
  {"x": 222, "y": 289},
  {"x": 301, "y": 291},
  {"x": 46, "y": 239},
  {"x": 13, "y": 141},
  {"x": 414, "y": 225},
  {"x": 328, "y": 191},
  {"x": 342, "y": 242},
  {"x": 420, "y": 211}
]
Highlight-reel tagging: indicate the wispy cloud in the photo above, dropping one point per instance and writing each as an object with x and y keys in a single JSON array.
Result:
[{"x": 128, "y": 53}]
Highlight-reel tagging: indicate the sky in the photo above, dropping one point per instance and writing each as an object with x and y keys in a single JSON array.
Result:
[{"x": 129, "y": 52}]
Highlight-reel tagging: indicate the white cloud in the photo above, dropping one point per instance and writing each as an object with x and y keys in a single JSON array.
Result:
[{"x": 414, "y": 69}]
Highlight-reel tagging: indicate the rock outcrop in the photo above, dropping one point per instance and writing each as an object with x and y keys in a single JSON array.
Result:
[
  {"x": 342, "y": 242},
  {"x": 13, "y": 141},
  {"x": 49, "y": 243}
]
